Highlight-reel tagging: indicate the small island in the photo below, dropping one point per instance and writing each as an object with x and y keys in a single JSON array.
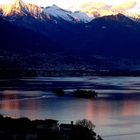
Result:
[
  {"x": 85, "y": 93},
  {"x": 58, "y": 91},
  {"x": 89, "y": 94}
]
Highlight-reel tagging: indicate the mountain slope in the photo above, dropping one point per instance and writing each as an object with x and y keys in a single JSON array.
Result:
[
  {"x": 21, "y": 49},
  {"x": 115, "y": 35},
  {"x": 17, "y": 39}
]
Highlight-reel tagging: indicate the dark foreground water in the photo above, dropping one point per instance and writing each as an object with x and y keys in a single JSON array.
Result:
[{"x": 115, "y": 112}]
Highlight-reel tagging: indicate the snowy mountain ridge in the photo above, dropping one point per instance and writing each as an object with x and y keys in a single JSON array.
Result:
[{"x": 19, "y": 8}]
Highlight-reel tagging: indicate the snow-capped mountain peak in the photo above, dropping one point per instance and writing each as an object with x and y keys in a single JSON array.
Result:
[
  {"x": 54, "y": 13},
  {"x": 19, "y": 8},
  {"x": 83, "y": 16},
  {"x": 19, "y": 3},
  {"x": 55, "y": 7},
  {"x": 59, "y": 13}
]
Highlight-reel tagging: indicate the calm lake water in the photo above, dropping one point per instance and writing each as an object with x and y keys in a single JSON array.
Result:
[{"x": 115, "y": 112}]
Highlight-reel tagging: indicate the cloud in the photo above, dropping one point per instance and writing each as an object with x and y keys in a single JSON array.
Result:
[
  {"x": 102, "y": 8},
  {"x": 92, "y": 8},
  {"x": 125, "y": 6}
]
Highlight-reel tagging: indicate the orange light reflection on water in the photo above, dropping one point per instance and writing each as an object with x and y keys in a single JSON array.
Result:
[
  {"x": 103, "y": 110},
  {"x": 10, "y": 102},
  {"x": 130, "y": 107}
]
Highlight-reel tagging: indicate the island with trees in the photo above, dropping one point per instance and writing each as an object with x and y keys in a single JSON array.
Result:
[
  {"x": 80, "y": 93},
  {"x": 85, "y": 93}
]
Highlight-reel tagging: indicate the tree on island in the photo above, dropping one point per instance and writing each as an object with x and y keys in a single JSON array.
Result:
[{"x": 85, "y": 93}]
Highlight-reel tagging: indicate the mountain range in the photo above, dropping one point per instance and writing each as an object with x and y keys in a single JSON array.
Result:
[
  {"x": 19, "y": 8},
  {"x": 52, "y": 38}
]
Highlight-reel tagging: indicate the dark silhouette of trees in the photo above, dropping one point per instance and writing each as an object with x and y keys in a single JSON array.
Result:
[
  {"x": 85, "y": 93},
  {"x": 25, "y": 129},
  {"x": 58, "y": 91},
  {"x": 86, "y": 123}
]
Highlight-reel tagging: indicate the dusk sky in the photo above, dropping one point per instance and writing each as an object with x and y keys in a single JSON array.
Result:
[{"x": 132, "y": 6}]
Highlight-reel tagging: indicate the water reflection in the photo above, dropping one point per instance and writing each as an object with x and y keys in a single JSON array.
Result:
[
  {"x": 130, "y": 108},
  {"x": 7, "y": 104},
  {"x": 115, "y": 112},
  {"x": 90, "y": 110},
  {"x": 97, "y": 110},
  {"x": 12, "y": 103}
]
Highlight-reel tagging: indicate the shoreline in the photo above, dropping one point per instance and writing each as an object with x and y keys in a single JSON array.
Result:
[{"x": 26, "y": 129}]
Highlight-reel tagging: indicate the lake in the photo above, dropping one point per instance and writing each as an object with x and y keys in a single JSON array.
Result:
[{"x": 115, "y": 112}]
